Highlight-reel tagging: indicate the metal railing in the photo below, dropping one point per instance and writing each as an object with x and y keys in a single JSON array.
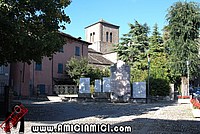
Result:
[{"x": 66, "y": 89}]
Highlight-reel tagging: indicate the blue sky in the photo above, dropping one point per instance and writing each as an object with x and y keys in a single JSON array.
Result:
[{"x": 120, "y": 12}]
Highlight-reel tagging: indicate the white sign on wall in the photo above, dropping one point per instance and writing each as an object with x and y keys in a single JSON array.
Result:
[
  {"x": 139, "y": 90},
  {"x": 84, "y": 86},
  {"x": 106, "y": 84},
  {"x": 97, "y": 86}
]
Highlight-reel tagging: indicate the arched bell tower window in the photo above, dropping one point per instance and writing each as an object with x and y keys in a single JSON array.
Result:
[
  {"x": 106, "y": 36},
  {"x": 110, "y": 37}
]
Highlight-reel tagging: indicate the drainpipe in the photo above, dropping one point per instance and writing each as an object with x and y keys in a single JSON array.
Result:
[
  {"x": 52, "y": 74},
  {"x": 82, "y": 50},
  {"x": 20, "y": 82},
  {"x": 33, "y": 78},
  {"x": 23, "y": 72}
]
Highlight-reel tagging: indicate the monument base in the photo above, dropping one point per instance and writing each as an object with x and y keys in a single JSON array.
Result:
[
  {"x": 84, "y": 95},
  {"x": 184, "y": 101}
]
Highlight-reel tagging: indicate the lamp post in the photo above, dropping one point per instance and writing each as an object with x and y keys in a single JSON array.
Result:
[
  {"x": 188, "y": 73},
  {"x": 148, "y": 57}
]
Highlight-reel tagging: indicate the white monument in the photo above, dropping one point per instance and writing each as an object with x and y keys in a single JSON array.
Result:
[{"x": 120, "y": 80}]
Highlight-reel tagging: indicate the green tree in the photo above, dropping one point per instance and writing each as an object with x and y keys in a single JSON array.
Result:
[
  {"x": 159, "y": 70},
  {"x": 133, "y": 46},
  {"x": 156, "y": 41},
  {"x": 158, "y": 55},
  {"x": 132, "y": 50},
  {"x": 96, "y": 73},
  {"x": 29, "y": 29},
  {"x": 77, "y": 68},
  {"x": 159, "y": 86},
  {"x": 183, "y": 27}
]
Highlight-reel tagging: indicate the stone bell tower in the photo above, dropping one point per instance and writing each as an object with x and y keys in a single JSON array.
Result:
[{"x": 102, "y": 35}]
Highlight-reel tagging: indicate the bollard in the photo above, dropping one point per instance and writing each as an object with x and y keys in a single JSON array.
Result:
[
  {"x": 6, "y": 100},
  {"x": 7, "y": 103}
]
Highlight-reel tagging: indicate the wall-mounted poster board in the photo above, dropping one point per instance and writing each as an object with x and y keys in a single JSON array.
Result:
[
  {"x": 84, "y": 86},
  {"x": 139, "y": 90}
]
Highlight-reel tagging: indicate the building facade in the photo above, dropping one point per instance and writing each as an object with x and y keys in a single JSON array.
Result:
[
  {"x": 40, "y": 78},
  {"x": 4, "y": 77},
  {"x": 103, "y": 35}
]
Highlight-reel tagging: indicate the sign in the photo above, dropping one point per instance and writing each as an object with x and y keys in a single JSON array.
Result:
[
  {"x": 106, "y": 84},
  {"x": 139, "y": 90},
  {"x": 84, "y": 86},
  {"x": 16, "y": 115},
  {"x": 97, "y": 87}
]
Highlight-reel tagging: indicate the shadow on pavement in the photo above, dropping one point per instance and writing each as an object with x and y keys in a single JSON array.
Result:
[
  {"x": 159, "y": 126},
  {"x": 65, "y": 111}
]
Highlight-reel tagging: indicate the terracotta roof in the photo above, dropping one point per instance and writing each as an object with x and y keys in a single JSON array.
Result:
[
  {"x": 103, "y": 22},
  {"x": 96, "y": 58},
  {"x": 74, "y": 38},
  {"x": 90, "y": 50}
]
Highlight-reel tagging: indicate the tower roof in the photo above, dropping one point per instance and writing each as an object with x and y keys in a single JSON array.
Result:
[{"x": 103, "y": 22}]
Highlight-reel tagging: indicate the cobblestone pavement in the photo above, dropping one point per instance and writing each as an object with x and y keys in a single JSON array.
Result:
[{"x": 154, "y": 118}]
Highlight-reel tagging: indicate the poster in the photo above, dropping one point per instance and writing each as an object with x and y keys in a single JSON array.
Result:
[
  {"x": 84, "y": 86},
  {"x": 139, "y": 90}
]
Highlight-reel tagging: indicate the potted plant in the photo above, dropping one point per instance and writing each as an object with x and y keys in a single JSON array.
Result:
[{"x": 196, "y": 107}]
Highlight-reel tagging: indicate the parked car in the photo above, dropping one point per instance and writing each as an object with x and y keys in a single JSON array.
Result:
[
  {"x": 191, "y": 90},
  {"x": 197, "y": 94},
  {"x": 197, "y": 88},
  {"x": 194, "y": 90}
]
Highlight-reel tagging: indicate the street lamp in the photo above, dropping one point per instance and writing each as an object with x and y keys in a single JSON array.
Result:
[
  {"x": 148, "y": 57},
  {"x": 188, "y": 73}
]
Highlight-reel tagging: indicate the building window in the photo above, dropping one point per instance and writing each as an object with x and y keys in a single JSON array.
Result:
[
  {"x": 110, "y": 37},
  {"x": 106, "y": 36},
  {"x": 77, "y": 51},
  {"x": 60, "y": 68},
  {"x": 41, "y": 89},
  {"x": 38, "y": 66},
  {"x": 90, "y": 37},
  {"x": 61, "y": 50},
  {"x": 93, "y": 36},
  {"x": 1, "y": 69}
]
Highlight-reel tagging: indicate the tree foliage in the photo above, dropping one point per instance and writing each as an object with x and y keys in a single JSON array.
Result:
[
  {"x": 183, "y": 27},
  {"x": 77, "y": 68},
  {"x": 156, "y": 42},
  {"x": 134, "y": 49},
  {"x": 29, "y": 29},
  {"x": 159, "y": 69},
  {"x": 133, "y": 46},
  {"x": 158, "y": 55},
  {"x": 159, "y": 86}
]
